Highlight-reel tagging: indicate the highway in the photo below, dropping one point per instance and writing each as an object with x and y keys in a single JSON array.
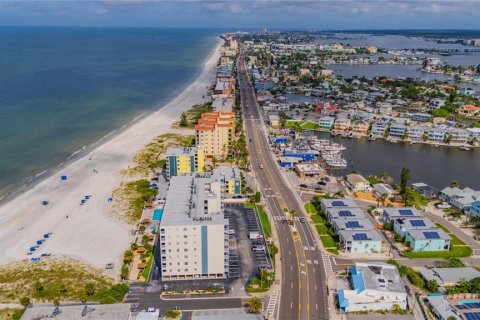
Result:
[{"x": 303, "y": 287}]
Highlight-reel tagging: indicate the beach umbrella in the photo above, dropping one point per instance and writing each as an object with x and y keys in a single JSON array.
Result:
[
  {"x": 33, "y": 249},
  {"x": 39, "y": 241},
  {"x": 46, "y": 235},
  {"x": 142, "y": 266},
  {"x": 83, "y": 201},
  {"x": 44, "y": 202},
  {"x": 110, "y": 199},
  {"x": 63, "y": 178}
]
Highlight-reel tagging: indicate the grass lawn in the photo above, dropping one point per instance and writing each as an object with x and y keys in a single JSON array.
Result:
[
  {"x": 305, "y": 125},
  {"x": 249, "y": 205},
  {"x": 310, "y": 208},
  {"x": 419, "y": 200},
  {"x": 321, "y": 229},
  {"x": 317, "y": 219},
  {"x": 334, "y": 251},
  {"x": 328, "y": 241},
  {"x": 267, "y": 228},
  {"x": 146, "y": 271},
  {"x": 11, "y": 314},
  {"x": 458, "y": 248}
]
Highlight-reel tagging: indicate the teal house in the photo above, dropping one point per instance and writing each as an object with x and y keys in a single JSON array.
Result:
[{"x": 428, "y": 240}]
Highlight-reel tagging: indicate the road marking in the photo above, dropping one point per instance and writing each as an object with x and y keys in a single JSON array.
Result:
[
  {"x": 309, "y": 261},
  {"x": 291, "y": 286},
  {"x": 272, "y": 302},
  {"x": 315, "y": 261},
  {"x": 316, "y": 306},
  {"x": 303, "y": 272},
  {"x": 302, "y": 264}
]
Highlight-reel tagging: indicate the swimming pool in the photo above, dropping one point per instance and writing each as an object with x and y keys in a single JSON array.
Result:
[
  {"x": 157, "y": 214},
  {"x": 462, "y": 302}
]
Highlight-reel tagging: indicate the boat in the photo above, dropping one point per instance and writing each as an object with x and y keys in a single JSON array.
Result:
[
  {"x": 412, "y": 143},
  {"x": 464, "y": 148}
]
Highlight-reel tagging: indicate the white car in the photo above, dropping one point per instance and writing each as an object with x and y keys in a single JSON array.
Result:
[{"x": 443, "y": 205}]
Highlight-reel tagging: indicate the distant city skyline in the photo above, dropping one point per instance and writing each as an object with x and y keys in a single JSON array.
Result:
[{"x": 346, "y": 14}]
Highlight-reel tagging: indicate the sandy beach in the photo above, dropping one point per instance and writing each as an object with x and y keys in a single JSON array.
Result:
[{"x": 89, "y": 233}]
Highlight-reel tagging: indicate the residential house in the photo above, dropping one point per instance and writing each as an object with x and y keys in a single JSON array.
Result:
[
  {"x": 428, "y": 240},
  {"x": 392, "y": 213},
  {"x": 467, "y": 91},
  {"x": 415, "y": 133},
  {"x": 342, "y": 124},
  {"x": 338, "y": 203},
  {"x": 360, "y": 127},
  {"x": 460, "y": 199},
  {"x": 375, "y": 286},
  {"x": 459, "y": 136},
  {"x": 449, "y": 276},
  {"x": 474, "y": 133},
  {"x": 357, "y": 183},
  {"x": 402, "y": 225},
  {"x": 360, "y": 241},
  {"x": 421, "y": 117},
  {"x": 436, "y": 134},
  {"x": 326, "y": 122},
  {"x": 436, "y": 103},
  {"x": 383, "y": 188},
  {"x": 379, "y": 128},
  {"x": 397, "y": 130},
  {"x": 469, "y": 110},
  {"x": 339, "y": 213}
]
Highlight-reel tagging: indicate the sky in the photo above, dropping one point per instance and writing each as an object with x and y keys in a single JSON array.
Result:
[{"x": 246, "y": 14}]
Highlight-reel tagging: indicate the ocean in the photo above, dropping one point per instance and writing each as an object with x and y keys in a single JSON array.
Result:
[{"x": 62, "y": 89}]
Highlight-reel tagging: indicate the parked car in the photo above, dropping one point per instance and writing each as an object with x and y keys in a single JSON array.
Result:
[
  {"x": 260, "y": 166},
  {"x": 327, "y": 179},
  {"x": 443, "y": 205},
  {"x": 303, "y": 220},
  {"x": 303, "y": 185}
]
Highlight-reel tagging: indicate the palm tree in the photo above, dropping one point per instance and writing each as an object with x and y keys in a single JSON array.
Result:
[
  {"x": 383, "y": 197},
  {"x": 128, "y": 256},
  {"x": 255, "y": 305},
  {"x": 292, "y": 216},
  {"x": 263, "y": 274},
  {"x": 214, "y": 162}
]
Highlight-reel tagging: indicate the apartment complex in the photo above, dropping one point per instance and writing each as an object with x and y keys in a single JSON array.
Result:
[
  {"x": 215, "y": 132},
  {"x": 194, "y": 232},
  {"x": 184, "y": 160}
]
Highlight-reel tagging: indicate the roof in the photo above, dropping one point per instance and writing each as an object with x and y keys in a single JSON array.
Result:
[
  {"x": 353, "y": 224},
  {"x": 146, "y": 315},
  {"x": 179, "y": 151},
  {"x": 356, "y": 178},
  {"x": 428, "y": 234},
  {"x": 441, "y": 306},
  {"x": 384, "y": 188},
  {"x": 378, "y": 276},
  {"x": 120, "y": 311},
  {"x": 225, "y": 314},
  {"x": 309, "y": 168},
  {"x": 415, "y": 223},
  {"x": 345, "y": 213},
  {"x": 449, "y": 275},
  {"x": 360, "y": 235},
  {"x": 339, "y": 203},
  {"x": 406, "y": 212}
]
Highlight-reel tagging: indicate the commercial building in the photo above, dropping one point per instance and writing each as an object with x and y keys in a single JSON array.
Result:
[
  {"x": 215, "y": 132},
  {"x": 376, "y": 286},
  {"x": 308, "y": 170},
  {"x": 194, "y": 232},
  {"x": 184, "y": 160}
]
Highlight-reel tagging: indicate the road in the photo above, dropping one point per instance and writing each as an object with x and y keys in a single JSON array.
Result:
[{"x": 304, "y": 285}]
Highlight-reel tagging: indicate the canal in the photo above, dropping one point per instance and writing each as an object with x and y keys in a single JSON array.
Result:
[{"x": 434, "y": 166}]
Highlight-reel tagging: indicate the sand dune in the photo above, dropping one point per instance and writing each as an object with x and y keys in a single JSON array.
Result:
[{"x": 89, "y": 233}]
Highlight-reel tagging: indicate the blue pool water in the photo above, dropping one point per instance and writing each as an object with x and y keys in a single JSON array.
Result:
[
  {"x": 157, "y": 214},
  {"x": 462, "y": 302}
]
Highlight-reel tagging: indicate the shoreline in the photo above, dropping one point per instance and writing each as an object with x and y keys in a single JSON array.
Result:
[
  {"x": 86, "y": 231},
  {"x": 33, "y": 180}
]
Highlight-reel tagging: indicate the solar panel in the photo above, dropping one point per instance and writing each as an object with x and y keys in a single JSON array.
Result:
[
  {"x": 338, "y": 204},
  {"x": 472, "y": 305},
  {"x": 345, "y": 213},
  {"x": 406, "y": 212},
  {"x": 431, "y": 235},
  {"x": 360, "y": 237},
  {"x": 417, "y": 223},
  {"x": 352, "y": 224},
  {"x": 472, "y": 315},
  {"x": 461, "y": 307}
]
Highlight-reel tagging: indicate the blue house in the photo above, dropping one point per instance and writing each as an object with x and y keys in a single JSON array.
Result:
[{"x": 428, "y": 240}]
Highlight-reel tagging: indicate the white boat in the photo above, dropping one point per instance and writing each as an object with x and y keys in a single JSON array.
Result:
[{"x": 464, "y": 148}]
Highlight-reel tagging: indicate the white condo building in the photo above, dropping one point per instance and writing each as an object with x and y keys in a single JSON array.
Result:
[{"x": 193, "y": 231}]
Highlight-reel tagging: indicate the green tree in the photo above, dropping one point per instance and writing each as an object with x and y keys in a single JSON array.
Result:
[
  {"x": 293, "y": 214},
  {"x": 56, "y": 302},
  {"x": 432, "y": 285},
  {"x": 404, "y": 176},
  {"x": 25, "y": 301},
  {"x": 183, "y": 120},
  {"x": 124, "y": 272},
  {"x": 128, "y": 256},
  {"x": 141, "y": 229},
  {"x": 38, "y": 287},
  {"x": 145, "y": 239},
  {"x": 454, "y": 184},
  {"x": 255, "y": 305},
  {"x": 89, "y": 289}
]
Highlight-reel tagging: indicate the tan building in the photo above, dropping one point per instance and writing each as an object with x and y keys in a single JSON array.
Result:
[
  {"x": 215, "y": 132},
  {"x": 342, "y": 124},
  {"x": 360, "y": 127}
]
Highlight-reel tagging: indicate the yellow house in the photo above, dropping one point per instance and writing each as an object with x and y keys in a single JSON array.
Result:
[
  {"x": 184, "y": 160},
  {"x": 360, "y": 127}
]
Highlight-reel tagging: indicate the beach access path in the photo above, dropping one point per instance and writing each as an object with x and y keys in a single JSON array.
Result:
[{"x": 89, "y": 233}]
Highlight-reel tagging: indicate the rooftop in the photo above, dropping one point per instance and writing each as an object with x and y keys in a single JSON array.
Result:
[
  {"x": 346, "y": 213},
  {"x": 450, "y": 275},
  {"x": 377, "y": 276},
  {"x": 118, "y": 311},
  {"x": 428, "y": 234},
  {"x": 337, "y": 203},
  {"x": 360, "y": 235}
]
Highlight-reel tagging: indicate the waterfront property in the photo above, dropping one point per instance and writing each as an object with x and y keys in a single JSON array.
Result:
[
  {"x": 360, "y": 127},
  {"x": 397, "y": 130},
  {"x": 436, "y": 134},
  {"x": 383, "y": 188},
  {"x": 428, "y": 240},
  {"x": 376, "y": 286},
  {"x": 342, "y": 124},
  {"x": 308, "y": 170},
  {"x": 357, "y": 183},
  {"x": 415, "y": 133},
  {"x": 460, "y": 199},
  {"x": 194, "y": 232},
  {"x": 184, "y": 160},
  {"x": 379, "y": 128},
  {"x": 326, "y": 122},
  {"x": 215, "y": 132}
]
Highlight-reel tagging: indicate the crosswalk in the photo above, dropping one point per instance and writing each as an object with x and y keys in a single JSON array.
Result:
[
  {"x": 327, "y": 264},
  {"x": 272, "y": 304}
]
